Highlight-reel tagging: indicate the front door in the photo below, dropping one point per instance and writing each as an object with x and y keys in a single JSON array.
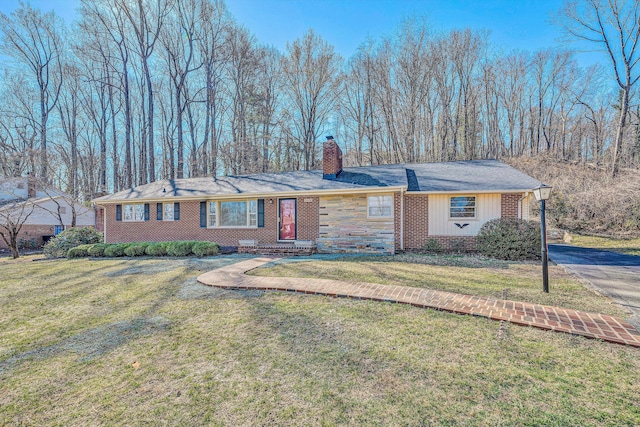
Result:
[{"x": 287, "y": 215}]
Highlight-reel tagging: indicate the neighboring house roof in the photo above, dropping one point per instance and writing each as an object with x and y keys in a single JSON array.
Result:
[
  {"x": 44, "y": 210},
  {"x": 452, "y": 177}
]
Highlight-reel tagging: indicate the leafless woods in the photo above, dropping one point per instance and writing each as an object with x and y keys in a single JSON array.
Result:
[{"x": 136, "y": 91}]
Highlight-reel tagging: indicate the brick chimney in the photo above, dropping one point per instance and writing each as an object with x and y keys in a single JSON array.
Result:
[
  {"x": 331, "y": 159},
  {"x": 31, "y": 187}
]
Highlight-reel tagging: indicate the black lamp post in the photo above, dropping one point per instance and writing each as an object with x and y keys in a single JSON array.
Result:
[{"x": 542, "y": 193}]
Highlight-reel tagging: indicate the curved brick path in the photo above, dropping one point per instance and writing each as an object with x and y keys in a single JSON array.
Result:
[{"x": 591, "y": 325}]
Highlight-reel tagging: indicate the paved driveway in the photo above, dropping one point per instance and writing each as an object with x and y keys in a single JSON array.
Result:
[{"x": 610, "y": 273}]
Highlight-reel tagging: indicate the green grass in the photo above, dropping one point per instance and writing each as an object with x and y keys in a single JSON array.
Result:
[
  {"x": 133, "y": 342},
  {"x": 625, "y": 246}
]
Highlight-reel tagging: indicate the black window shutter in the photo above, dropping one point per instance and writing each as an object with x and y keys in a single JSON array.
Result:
[
  {"x": 176, "y": 211},
  {"x": 203, "y": 214},
  {"x": 260, "y": 212},
  {"x": 118, "y": 212},
  {"x": 146, "y": 211},
  {"x": 159, "y": 211}
]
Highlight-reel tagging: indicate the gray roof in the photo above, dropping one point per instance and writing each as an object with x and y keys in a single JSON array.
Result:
[{"x": 461, "y": 176}]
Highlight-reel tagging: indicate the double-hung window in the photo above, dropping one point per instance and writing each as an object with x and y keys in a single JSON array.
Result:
[
  {"x": 133, "y": 212},
  {"x": 380, "y": 206},
  {"x": 168, "y": 212},
  {"x": 233, "y": 213},
  {"x": 462, "y": 207}
]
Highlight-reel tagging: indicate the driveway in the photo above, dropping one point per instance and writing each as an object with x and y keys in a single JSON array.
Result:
[{"x": 612, "y": 274}]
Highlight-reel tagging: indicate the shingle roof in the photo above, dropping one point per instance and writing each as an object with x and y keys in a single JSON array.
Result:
[{"x": 461, "y": 176}]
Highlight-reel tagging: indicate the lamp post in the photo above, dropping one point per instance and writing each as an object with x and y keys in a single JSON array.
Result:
[{"x": 542, "y": 193}]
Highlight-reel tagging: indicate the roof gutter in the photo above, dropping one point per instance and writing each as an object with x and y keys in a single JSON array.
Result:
[{"x": 368, "y": 190}]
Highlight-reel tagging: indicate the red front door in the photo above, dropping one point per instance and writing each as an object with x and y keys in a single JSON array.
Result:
[{"x": 287, "y": 215}]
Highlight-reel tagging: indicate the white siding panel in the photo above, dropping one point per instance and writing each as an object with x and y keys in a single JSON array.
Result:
[
  {"x": 487, "y": 208},
  {"x": 44, "y": 213}
]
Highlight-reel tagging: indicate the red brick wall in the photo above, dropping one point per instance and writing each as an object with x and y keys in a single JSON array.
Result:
[
  {"x": 509, "y": 205},
  {"x": 188, "y": 227},
  {"x": 416, "y": 220},
  {"x": 31, "y": 235}
]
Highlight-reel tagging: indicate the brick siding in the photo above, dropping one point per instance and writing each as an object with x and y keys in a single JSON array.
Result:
[
  {"x": 331, "y": 158},
  {"x": 416, "y": 221},
  {"x": 188, "y": 227},
  {"x": 509, "y": 205},
  {"x": 30, "y": 236}
]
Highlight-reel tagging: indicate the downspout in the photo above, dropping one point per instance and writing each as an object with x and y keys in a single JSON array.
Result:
[
  {"x": 104, "y": 224},
  {"x": 402, "y": 219},
  {"x": 525, "y": 195}
]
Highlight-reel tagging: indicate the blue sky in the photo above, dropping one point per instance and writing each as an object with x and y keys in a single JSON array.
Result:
[{"x": 346, "y": 24}]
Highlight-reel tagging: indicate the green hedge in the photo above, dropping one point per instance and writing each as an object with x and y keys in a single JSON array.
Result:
[
  {"x": 201, "y": 249},
  {"x": 509, "y": 239},
  {"x": 116, "y": 249},
  {"x": 135, "y": 249},
  {"x": 157, "y": 249}
]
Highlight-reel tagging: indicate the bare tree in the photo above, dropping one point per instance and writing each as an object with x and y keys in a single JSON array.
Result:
[
  {"x": 35, "y": 40},
  {"x": 13, "y": 215},
  {"x": 614, "y": 26},
  {"x": 311, "y": 70}
]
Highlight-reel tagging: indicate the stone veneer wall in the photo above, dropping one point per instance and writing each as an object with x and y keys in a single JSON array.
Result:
[{"x": 345, "y": 228}]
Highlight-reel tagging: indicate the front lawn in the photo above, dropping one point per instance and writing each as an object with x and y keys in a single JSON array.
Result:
[{"x": 138, "y": 341}]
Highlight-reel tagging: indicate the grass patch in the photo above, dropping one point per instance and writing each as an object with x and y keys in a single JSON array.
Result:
[
  {"x": 625, "y": 246},
  {"x": 460, "y": 274},
  {"x": 134, "y": 341}
]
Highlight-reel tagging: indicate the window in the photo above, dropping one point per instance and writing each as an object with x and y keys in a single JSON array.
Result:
[
  {"x": 57, "y": 229},
  {"x": 380, "y": 206},
  {"x": 168, "y": 212},
  {"x": 134, "y": 212},
  {"x": 236, "y": 213},
  {"x": 62, "y": 210},
  {"x": 462, "y": 207}
]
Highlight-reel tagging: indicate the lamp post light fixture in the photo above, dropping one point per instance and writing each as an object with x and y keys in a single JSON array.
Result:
[{"x": 542, "y": 193}]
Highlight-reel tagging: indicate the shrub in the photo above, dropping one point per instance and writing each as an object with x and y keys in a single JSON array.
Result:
[
  {"x": 157, "y": 249},
  {"x": 115, "y": 250},
  {"x": 205, "y": 249},
  {"x": 509, "y": 239},
  {"x": 97, "y": 250},
  {"x": 79, "y": 251},
  {"x": 136, "y": 249},
  {"x": 59, "y": 246},
  {"x": 180, "y": 248},
  {"x": 433, "y": 246},
  {"x": 458, "y": 245}
]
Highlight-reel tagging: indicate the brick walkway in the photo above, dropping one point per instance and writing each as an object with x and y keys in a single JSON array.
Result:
[{"x": 591, "y": 325}]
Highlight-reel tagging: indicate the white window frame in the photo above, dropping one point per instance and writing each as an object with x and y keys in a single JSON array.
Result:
[
  {"x": 379, "y": 196},
  {"x": 164, "y": 211},
  {"x": 475, "y": 207},
  {"x": 134, "y": 211},
  {"x": 213, "y": 213}
]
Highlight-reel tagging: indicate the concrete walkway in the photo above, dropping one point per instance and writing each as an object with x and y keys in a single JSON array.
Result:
[
  {"x": 612, "y": 274},
  {"x": 591, "y": 325}
]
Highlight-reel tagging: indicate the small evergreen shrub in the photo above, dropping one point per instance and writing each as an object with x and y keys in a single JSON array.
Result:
[
  {"x": 59, "y": 246},
  {"x": 201, "y": 249},
  {"x": 509, "y": 239},
  {"x": 97, "y": 250},
  {"x": 157, "y": 249},
  {"x": 433, "y": 246},
  {"x": 180, "y": 248},
  {"x": 458, "y": 245},
  {"x": 136, "y": 249},
  {"x": 115, "y": 249},
  {"x": 81, "y": 251}
]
